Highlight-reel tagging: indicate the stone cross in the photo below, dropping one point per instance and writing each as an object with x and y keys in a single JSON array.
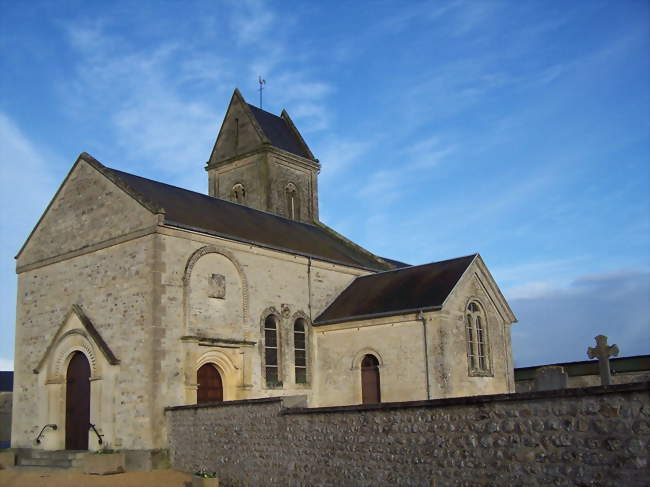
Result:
[{"x": 602, "y": 352}]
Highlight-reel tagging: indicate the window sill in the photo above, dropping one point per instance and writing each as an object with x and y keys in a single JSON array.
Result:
[{"x": 481, "y": 373}]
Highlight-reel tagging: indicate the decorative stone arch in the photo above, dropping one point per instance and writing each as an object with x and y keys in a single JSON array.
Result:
[
  {"x": 218, "y": 358},
  {"x": 187, "y": 274},
  {"x": 229, "y": 371},
  {"x": 358, "y": 358},
  {"x": 300, "y": 314},
  {"x": 76, "y": 333},
  {"x": 473, "y": 297},
  {"x": 75, "y": 340}
]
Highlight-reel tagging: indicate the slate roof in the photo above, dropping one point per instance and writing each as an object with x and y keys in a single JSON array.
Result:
[
  {"x": 398, "y": 291},
  {"x": 6, "y": 381},
  {"x": 278, "y": 131},
  {"x": 396, "y": 263},
  {"x": 196, "y": 211}
]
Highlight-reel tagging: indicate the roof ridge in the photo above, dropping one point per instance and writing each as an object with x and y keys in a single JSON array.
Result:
[
  {"x": 349, "y": 242},
  {"x": 213, "y": 197},
  {"x": 419, "y": 265}
]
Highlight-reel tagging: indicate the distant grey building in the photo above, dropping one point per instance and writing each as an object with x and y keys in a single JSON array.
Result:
[{"x": 6, "y": 390}]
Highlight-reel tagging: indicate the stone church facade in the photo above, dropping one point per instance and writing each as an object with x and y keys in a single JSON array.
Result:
[{"x": 134, "y": 295}]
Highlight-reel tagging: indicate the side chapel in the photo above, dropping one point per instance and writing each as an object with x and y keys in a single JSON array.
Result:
[{"x": 134, "y": 295}]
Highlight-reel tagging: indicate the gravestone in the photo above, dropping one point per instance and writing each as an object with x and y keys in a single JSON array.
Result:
[{"x": 550, "y": 377}]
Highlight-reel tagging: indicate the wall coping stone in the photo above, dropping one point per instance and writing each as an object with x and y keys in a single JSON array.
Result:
[
  {"x": 479, "y": 400},
  {"x": 238, "y": 402},
  {"x": 433, "y": 403}
]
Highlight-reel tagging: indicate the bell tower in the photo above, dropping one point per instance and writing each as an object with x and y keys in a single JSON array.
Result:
[{"x": 260, "y": 160}]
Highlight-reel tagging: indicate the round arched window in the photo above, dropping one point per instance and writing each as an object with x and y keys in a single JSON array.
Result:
[{"x": 238, "y": 193}]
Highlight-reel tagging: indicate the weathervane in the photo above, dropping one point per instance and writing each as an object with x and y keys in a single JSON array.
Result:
[{"x": 262, "y": 82}]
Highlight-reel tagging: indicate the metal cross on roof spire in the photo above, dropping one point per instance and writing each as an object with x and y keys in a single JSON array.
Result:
[
  {"x": 262, "y": 82},
  {"x": 602, "y": 352}
]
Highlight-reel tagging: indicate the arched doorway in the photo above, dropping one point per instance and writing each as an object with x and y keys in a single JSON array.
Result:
[
  {"x": 77, "y": 403},
  {"x": 210, "y": 385},
  {"x": 370, "y": 387}
]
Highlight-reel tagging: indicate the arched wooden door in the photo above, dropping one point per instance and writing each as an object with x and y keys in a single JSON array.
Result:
[
  {"x": 77, "y": 403},
  {"x": 210, "y": 386},
  {"x": 370, "y": 387}
]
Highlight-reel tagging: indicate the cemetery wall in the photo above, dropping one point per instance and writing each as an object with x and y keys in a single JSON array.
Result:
[
  {"x": 589, "y": 380},
  {"x": 589, "y": 436}
]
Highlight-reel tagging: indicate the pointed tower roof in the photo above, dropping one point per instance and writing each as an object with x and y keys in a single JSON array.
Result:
[
  {"x": 251, "y": 128},
  {"x": 281, "y": 132}
]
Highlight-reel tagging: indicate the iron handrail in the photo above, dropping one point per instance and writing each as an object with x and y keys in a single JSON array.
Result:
[
  {"x": 99, "y": 437},
  {"x": 40, "y": 435}
]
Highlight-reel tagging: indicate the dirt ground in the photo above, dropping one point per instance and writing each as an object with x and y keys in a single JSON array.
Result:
[{"x": 157, "y": 478}]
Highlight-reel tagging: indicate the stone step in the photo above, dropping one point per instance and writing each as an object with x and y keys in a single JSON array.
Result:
[
  {"x": 65, "y": 454},
  {"x": 43, "y": 460},
  {"x": 42, "y": 468},
  {"x": 62, "y": 462}
]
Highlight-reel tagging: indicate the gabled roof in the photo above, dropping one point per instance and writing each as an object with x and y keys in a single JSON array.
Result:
[
  {"x": 6, "y": 381},
  {"x": 398, "y": 291},
  {"x": 280, "y": 132},
  {"x": 196, "y": 211}
]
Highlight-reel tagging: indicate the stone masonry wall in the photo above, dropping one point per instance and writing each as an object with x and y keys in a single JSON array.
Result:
[{"x": 586, "y": 437}]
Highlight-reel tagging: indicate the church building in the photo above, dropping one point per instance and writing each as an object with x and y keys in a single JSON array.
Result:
[{"x": 135, "y": 295}]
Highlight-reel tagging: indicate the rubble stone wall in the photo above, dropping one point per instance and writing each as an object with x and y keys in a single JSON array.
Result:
[{"x": 590, "y": 436}]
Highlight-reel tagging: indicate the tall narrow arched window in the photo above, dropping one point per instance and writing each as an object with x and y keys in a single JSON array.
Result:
[
  {"x": 293, "y": 201},
  {"x": 370, "y": 385},
  {"x": 271, "y": 365},
  {"x": 238, "y": 193},
  {"x": 477, "y": 346},
  {"x": 300, "y": 350}
]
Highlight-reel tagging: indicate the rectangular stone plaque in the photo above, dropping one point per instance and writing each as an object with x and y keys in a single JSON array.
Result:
[{"x": 217, "y": 286}]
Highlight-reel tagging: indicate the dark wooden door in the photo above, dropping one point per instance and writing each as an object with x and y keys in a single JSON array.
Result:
[
  {"x": 370, "y": 387},
  {"x": 77, "y": 403},
  {"x": 210, "y": 386}
]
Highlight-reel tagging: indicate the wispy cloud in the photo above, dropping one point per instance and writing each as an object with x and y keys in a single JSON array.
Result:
[
  {"x": 250, "y": 20},
  {"x": 428, "y": 152},
  {"x": 28, "y": 179},
  {"x": 6, "y": 363},
  {"x": 163, "y": 100},
  {"x": 140, "y": 92},
  {"x": 536, "y": 275},
  {"x": 558, "y": 323},
  {"x": 382, "y": 186},
  {"x": 338, "y": 154}
]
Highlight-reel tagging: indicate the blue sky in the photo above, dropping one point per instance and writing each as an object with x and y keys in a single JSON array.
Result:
[{"x": 520, "y": 130}]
